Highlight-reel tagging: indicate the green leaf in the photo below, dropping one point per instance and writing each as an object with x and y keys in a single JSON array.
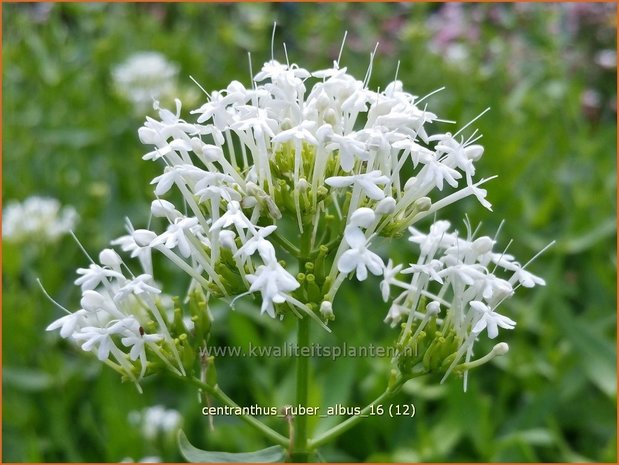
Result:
[
  {"x": 195, "y": 455},
  {"x": 598, "y": 357}
]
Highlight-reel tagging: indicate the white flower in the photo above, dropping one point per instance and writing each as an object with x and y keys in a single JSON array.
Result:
[
  {"x": 349, "y": 148},
  {"x": 369, "y": 182},
  {"x": 258, "y": 243},
  {"x": 526, "y": 279},
  {"x": 155, "y": 420},
  {"x": 145, "y": 76},
  {"x": 101, "y": 338},
  {"x": 273, "y": 282},
  {"x": 437, "y": 237},
  {"x": 326, "y": 310},
  {"x": 176, "y": 236},
  {"x": 110, "y": 259},
  {"x": 389, "y": 274},
  {"x": 95, "y": 275},
  {"x": 70, "y": 323},
  {"x": 490, "y": 320},
  {"x": 137, "y": 286},
  {"x": 40, "y": 219},
  {"x": 359, "y": 257},
  {"x": 226, "y": 239},
  {"x": 135, "y": 338},
  {"x": 432, "y": 269},
  {"x": 233, "y": 216},
  {"x": 177, "y": 174},
  {"x": 138, "y": 244}
]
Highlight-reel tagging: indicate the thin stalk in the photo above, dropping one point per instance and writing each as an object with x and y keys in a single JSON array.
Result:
[
  {"x": 299, "y": 452},
  {"x": 286, "y": 244},
  {"x": 344, "y": 426},
  {"x": 298, "y": 448},
  {"x": 218, "y": 394}
]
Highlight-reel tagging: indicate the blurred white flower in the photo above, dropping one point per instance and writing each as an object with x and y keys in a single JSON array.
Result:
[
  {"x": 156, "y": 420},
  {"x": 37, "y": 219},
  {"x": 144, "y": 77}
]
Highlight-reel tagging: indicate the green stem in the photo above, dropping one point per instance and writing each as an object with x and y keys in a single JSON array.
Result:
[
  {"x": 352, "y": 421},
  {"x": 218, "y": 394},
  {"x": 299, "y": 449},
  {"x": 286, "y": 244}
]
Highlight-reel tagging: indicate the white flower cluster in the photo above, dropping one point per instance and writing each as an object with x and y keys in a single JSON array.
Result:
[
  {"x": 37, "y": 219},
  {"x": 120, "y": 318},
  {"x": 333, "y": 158},
  {"x": 453, "y": 290},
  {"x": 143, "y": 77},
  {"x": 278, "y": 190},
  {"x": 156, "y": 420}
]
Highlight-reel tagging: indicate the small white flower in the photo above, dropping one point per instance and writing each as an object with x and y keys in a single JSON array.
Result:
[
  {"x": 431, "y": 269},
  {"x": 389, "y": 274},
  {"x": 135, "y": 338},
  {"x": 369, "y": 182},
  {"x": 144, "y": 76},
  {"x": 101, "y": 338},
  {"x": 273, "y": 282},
  {"x": 40, "y": 219},
  {"x": 258, "y": 243},
  {"x": 138, "y": 244},
  {"x": 490, "y": 320},
  {"x": 349, "y": 148},
  {"x": 226, "y": 239},
  {"x": 70, "y": 323},
  {"x": 526, "y": 279},
  {"x": 233, "y": 216},
  {"x": 326, "y": 310},
  {"x": 94, "y": 302},
  {"x": 176, "y": 236},
  {"x": 137, "y": 286},
  {"x": 95, "y": 275},
  {"x": 155, "y": 420},
  {"x": 358, "y": 257},
  {"x": 437, "y": 237},
  {"x": 109, "y": 258}
]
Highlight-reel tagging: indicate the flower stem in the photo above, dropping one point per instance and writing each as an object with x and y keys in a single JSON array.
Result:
[
  {"x": 344, "y": 426},
  {"x": 218, "y": 394},
  {"x": 299, "y": 450},
  {"x": 286, "y": 244}
]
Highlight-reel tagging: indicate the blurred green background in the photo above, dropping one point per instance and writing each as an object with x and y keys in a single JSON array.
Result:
[{"x": 548, "y": 72}]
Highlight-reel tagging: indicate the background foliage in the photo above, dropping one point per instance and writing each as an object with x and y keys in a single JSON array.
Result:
[{"x": 551, "y": 136}]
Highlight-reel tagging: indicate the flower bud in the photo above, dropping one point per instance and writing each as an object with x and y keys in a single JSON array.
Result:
[
  {"x": 108, "y": 257},
  {"x": 500, "y": 349},
  {"x": 143, "y": 237},
  {"x": 163, "y": 209},
  {"x": 362, "y": 217},
  {"x": 92, "y": 301},
  {"x": 411, "y": 181},
  {"x": 226, "y": 239},
  {"x": 482, "y": 245},
  {"x": 385, "y": 206},
  {"x": 326, "y": 310},
  {"x": 422, "y": 204},
  {"x": 212, "y": 153}
]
